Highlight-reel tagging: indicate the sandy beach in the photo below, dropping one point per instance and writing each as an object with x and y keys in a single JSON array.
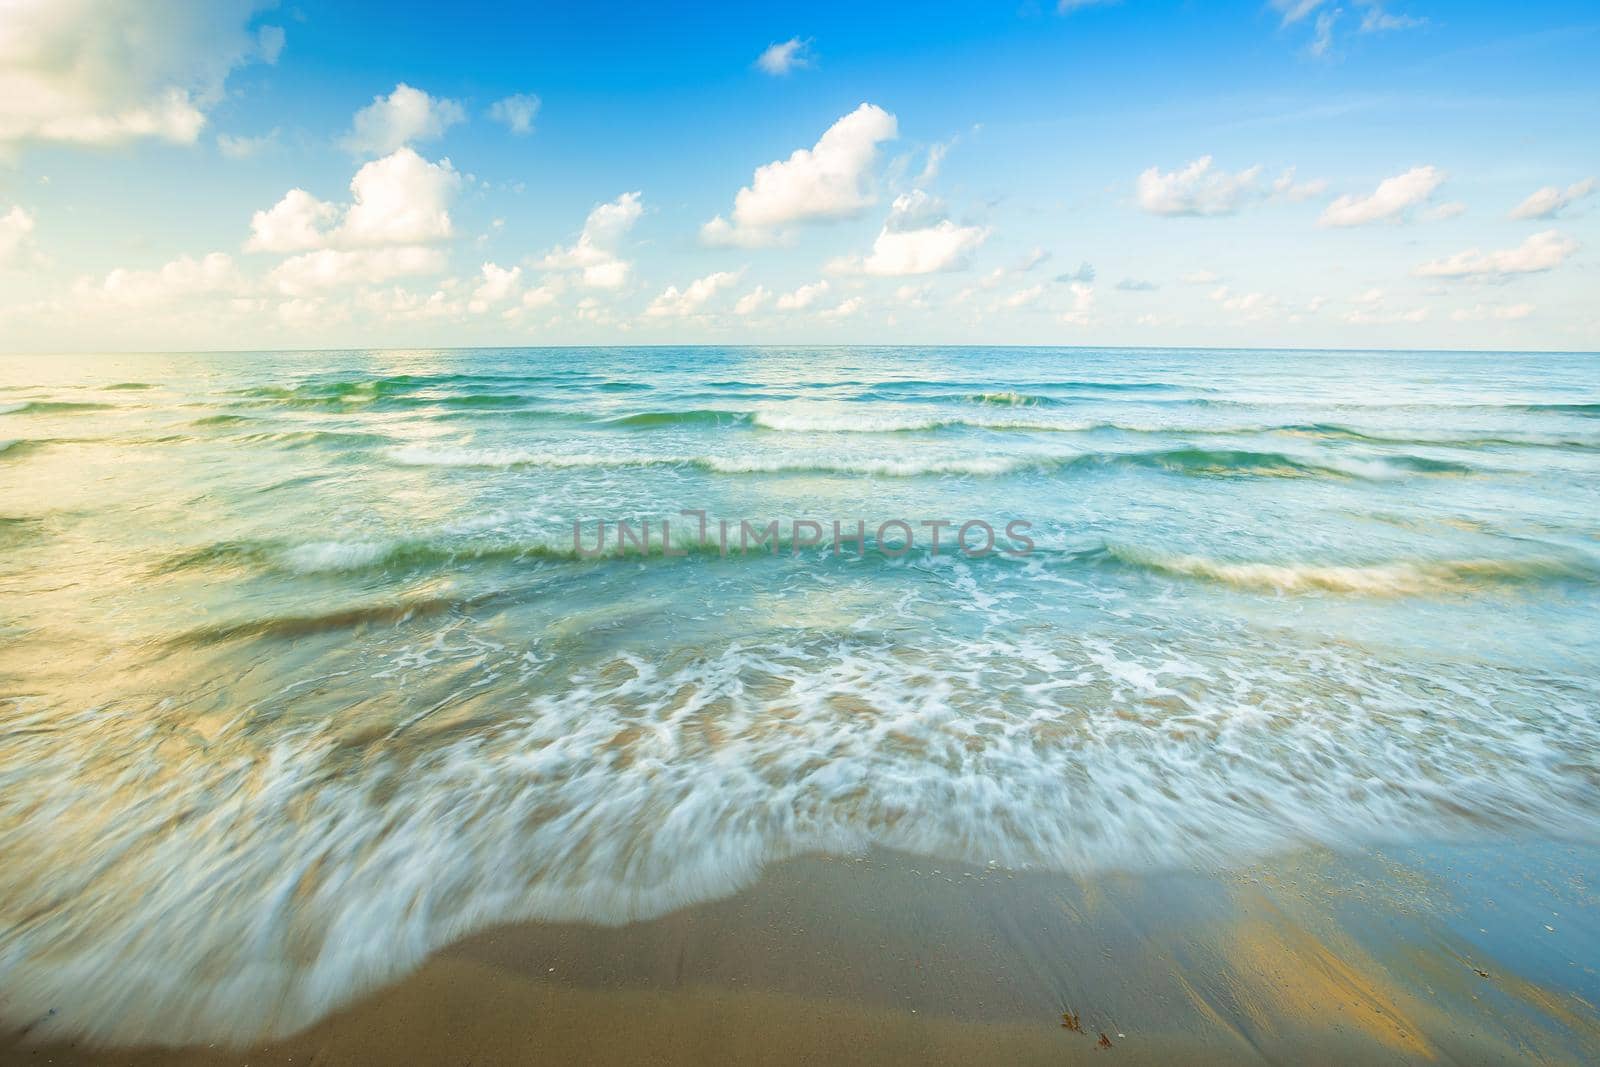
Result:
[{"x": 1466, "y": 954}]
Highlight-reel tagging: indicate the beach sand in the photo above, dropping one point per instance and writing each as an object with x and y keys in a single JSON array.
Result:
[{"x": 1476, "y": 954}]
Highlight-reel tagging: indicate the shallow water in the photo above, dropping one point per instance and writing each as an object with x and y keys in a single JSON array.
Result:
[{"x": 304, "y": 673}]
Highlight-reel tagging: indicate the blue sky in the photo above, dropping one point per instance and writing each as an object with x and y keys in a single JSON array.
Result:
[{"x": 1397, "y": 174}]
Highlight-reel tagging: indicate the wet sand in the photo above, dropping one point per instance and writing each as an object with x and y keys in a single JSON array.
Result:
[{"x": 1477, "y": 954}]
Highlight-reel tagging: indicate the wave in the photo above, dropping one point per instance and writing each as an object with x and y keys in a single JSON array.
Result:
[
  {"x": 1197, "y": 462},
  {"x": 625, "y": 787},
  {"x": 1384, "y": 578},
  {"x": 52, "y": 407},
  {"x": 650, "y": 420},
  {"x": 13, "y": 447},
  {"x": 301, "y": 438},
  {"x": 285, "y": 627},
  {"x": 1010, "y": 399},
  {"x": 1392, "y": 578},
  {"x": 1349, "y": 433},
  {"x": 1565, "y": 409}
]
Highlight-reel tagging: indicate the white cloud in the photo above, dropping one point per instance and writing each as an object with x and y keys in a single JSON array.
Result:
[
  {"x": 1540, "y": 252},
  {"x": 843, "y": 310},
  {"x": 1377, "y": 20},
  {"x": 183, "y": 277},
  {"x": 517, "y": 112},
  {"x": 542, "y": 296},
  {"x": 330, "y": 268},
  {"x": 1084, "y": 273},
  {"x": 1024, "y": 297},
  {"x": 1082, "y": 305},
  {"x": 802, "y": 297},
  {"x": 1504, "y": 312},
  {"x": 401, "y": 199},
  {"x": 1390, "y": 200},
  {"x": 102, "y": 72},
  {"x": 781, "y": 58},
  {"x": 1196, "y": 189},
  {"x": 753, "y": 301},
  {"x": 1449, "y": 210},
  {"x": 499, "y": 285},
  {"x": 915, "y": 239},
  {"x": 1323, "y": 41},
  {"x": 406, "y": 116},
  {"x": 16, "y": 236},
  {"x": 594, "y": 255},
  {"x": 935, "y": 160},
  {"x": 294, "y": 224},
  {"x": 1249, "y": 306},
  {"x": 828, "y": 180},
  {"x": 245, "y": 147},
  {"x": 1295, "y": 10},
  {"x": 1372, "y": 308},
  {"x": 1552, "y": 200},
  {"x": 1200, "y": 277},
  {"x": 674, "y": 302},
  {"x": 1286, "y": 187}
]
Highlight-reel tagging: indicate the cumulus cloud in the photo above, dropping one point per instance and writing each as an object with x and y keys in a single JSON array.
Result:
[
  {"x": 330, "y": 268},
  {"x": 1503, "y": 312},
  {"x": 1137, "y": 285},
  {"x": 842, "y": 310},
  {"x": 406, "y": 116},
  {"x": 827, "y": 181},
  {"x": 1389, "y": 201},
  {"x": 1252, "y": 306},
  {"x": 785, "y": 56},
  {"x": 498, "y": 285},
  {"x": 802, "y": 297},
  {"x": 676, "y": 303},
  {"x": 401, "y": 199},
  {"x": 916, "y": 239},
  {"x": 1084, "y": 273},
  {"x": 181, "y": 278},
  {"x": 1286, "y": 187},
  {"x": 517, "y": 112},
  {"x": 1550, "y": 201},
  {"x": 1540, "y": 252},
  {"x": 753, "y": 301},
  {"x": 1082, "y": 305},
  {"x": 1197, "y": 189},
  {"x": 103, "y": 72},
  {"x": 594, "y": 255},
  {"x": 1023, "y": 297},
  {"x": 294, "y": 224},
  {"x": 16, "y": 236}
]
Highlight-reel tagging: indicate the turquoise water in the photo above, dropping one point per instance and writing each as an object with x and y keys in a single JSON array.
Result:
[{"x": 303, "y": 672}]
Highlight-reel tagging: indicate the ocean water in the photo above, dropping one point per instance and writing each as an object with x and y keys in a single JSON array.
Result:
[{"x": 305, "y": 672}]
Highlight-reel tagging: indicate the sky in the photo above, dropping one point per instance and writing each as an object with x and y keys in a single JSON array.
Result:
[{"x": 227, "y": 175}]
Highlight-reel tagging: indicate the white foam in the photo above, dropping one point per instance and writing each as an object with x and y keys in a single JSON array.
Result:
[
  {"x": 327, "y": 556},
  {"x": 169, "y": 886}
]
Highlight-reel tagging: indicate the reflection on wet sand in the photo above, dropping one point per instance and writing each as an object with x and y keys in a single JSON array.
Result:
[{"x": 1309, "y": 958}]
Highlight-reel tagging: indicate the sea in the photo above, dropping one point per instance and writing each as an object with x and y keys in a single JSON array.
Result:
[{"x": 314, "y": 662}]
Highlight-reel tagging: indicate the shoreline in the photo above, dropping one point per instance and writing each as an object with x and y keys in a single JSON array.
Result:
[{"x": 1383, "y": 954}]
